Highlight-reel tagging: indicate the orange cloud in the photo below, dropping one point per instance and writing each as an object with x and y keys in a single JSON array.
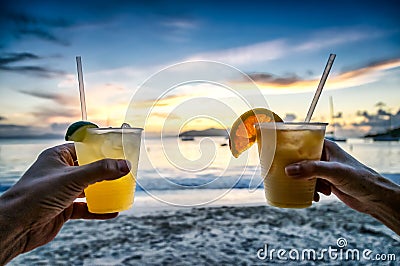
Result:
[
  {"x": 165, "y": 115},
  {"x": 170, "y": 100},
  {"x": 351, "y": 78}
]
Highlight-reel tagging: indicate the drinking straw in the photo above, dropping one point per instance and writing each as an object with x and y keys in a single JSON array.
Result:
[
  {"x": 320, "y": 87},
  {"x": 81, "y": 88}
]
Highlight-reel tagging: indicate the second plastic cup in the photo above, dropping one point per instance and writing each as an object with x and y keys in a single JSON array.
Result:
[
  {"x": 294, "y": 142},
  {"x": 116, "y": 143}
]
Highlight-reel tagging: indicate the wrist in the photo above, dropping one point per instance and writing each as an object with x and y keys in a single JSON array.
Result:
[
  {"x": 11, "y": 232},
  {"x": 387, "y": 207}
]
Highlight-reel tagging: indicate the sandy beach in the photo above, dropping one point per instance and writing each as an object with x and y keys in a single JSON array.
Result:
[
  {"x": 217, "y": 235},
  {"x": 229, "y": 225}
]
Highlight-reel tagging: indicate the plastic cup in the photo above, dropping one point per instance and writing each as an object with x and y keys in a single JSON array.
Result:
[
  {"x": 116, "y": 143},
  {"x": 294, "y": 142}
]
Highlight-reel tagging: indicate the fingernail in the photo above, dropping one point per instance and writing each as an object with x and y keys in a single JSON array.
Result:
[
  {"x": 123, "y": 166},
  {"x": 292, "y": 170}
]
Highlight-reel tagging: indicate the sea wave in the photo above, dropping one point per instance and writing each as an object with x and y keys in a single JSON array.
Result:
[
  {"x": 207, "y": 181},
  {"x": 202, "y": 182}
]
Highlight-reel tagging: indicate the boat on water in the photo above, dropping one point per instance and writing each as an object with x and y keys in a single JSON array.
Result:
[
  {"x": 330, "y": 135},
  {"x": 187, "y": 138}
]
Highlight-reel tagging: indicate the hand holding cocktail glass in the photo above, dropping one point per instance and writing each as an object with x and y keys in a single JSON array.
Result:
[
  {"x": 93, "y": 144},
  {"x": 281, "y": 144}
]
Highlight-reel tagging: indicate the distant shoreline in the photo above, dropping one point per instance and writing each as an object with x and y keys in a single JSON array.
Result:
[
  {"x": 389, "y": 133},
  {"x": 44, "y": 136},
  {"x": 210, "y": 132}
]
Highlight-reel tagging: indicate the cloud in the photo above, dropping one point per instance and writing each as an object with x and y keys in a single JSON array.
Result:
[
  {"x": 44, "y": 35},
  {"x": 275, "y": 80},
  {"x": 253, "y": 53},
  {"x": 334, "y": 37},
  {"x": 380, "y": 121},
  {"x": 350, "y": 78},
  {"x": 8, "y": 61},
  {"x": 368, "y": 123},
  {"x": 178, "y": 29},
  {"x": 33, "y": 70},
  {"x": 56, "y": 97},
  {"x": 275, "y": 49},
  {"x": 179, "y": 23},
  {"x": 165, "y": 115},
  {"x": 169, "y": 100},
  {"x": 22, "y": 24},
  {"x": 59, "y": 127},
  {"x": 380, "y": 65},
  {"x": 46, "y": 114},
  {"x": 24, "y": 132},
  {"x": 17, "y": 57},
  {"x": 11, "y": 130},
  {"x": 25, "y": 19}
]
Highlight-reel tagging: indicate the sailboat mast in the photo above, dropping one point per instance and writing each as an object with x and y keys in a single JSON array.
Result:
[{"x": 332, "y": 114}]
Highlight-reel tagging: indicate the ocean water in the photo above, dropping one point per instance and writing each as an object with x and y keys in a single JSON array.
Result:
[{"x": 200, "y": 165}]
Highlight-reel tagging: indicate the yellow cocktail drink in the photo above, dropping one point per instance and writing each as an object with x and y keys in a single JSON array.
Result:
[
  {"x": 295, "y": 142},
  {"x": 117, "y": 143}
]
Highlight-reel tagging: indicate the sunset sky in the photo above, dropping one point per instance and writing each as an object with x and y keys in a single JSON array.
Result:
[{"x": 282, "y": 45}]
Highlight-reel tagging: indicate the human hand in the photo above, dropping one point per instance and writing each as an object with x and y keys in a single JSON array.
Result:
[
  {"x": 33, "y": 211},
  {"x": 357, "y": 185}
]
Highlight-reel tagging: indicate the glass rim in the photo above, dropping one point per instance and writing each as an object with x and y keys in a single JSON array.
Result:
[
  {"x": 101, "y": 130},
  {"x": 284, "y": 124}
]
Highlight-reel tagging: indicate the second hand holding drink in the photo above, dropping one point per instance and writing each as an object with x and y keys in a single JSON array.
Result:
[{"x": 279, "y": 145}]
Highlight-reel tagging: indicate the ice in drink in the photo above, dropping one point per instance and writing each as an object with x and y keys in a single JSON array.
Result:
[
  {"x": 117, "y": 143},
  {"x": 294, "y": 142}
]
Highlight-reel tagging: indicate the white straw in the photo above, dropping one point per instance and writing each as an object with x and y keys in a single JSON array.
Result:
[
  {"x": 320, "y": 87},
  {"x": 81, "y": 88}
]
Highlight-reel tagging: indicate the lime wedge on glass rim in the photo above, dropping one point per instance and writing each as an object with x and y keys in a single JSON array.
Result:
[{"x": 77, "y": 131}]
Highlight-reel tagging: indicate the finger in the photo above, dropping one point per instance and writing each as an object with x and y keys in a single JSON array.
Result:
[
  {"x": 70, "y": 147},
  {"x": 59, "y": 155},
  {"x": 106, "y": 169},
  {"x": 335, "y": 153},
  {"x": 80, "y": 211},
  {"x": 316, "y": 196},
  {"x": 335, "y": 173},
  {"x": 323, "y": 186},
  {"x": 54, "y": 157},
  {"x": 325, "y": 150}
]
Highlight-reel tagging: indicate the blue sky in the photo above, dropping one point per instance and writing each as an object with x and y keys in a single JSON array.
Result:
[{"x": 282, "y": 45}]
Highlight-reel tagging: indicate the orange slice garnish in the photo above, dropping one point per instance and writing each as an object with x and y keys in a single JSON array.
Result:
[{"x": 243, "y": 133}]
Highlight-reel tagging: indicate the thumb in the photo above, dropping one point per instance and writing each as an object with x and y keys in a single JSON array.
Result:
[
  {"x": 334, "y": 172},
  {"x": 105, "y": 169}
]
